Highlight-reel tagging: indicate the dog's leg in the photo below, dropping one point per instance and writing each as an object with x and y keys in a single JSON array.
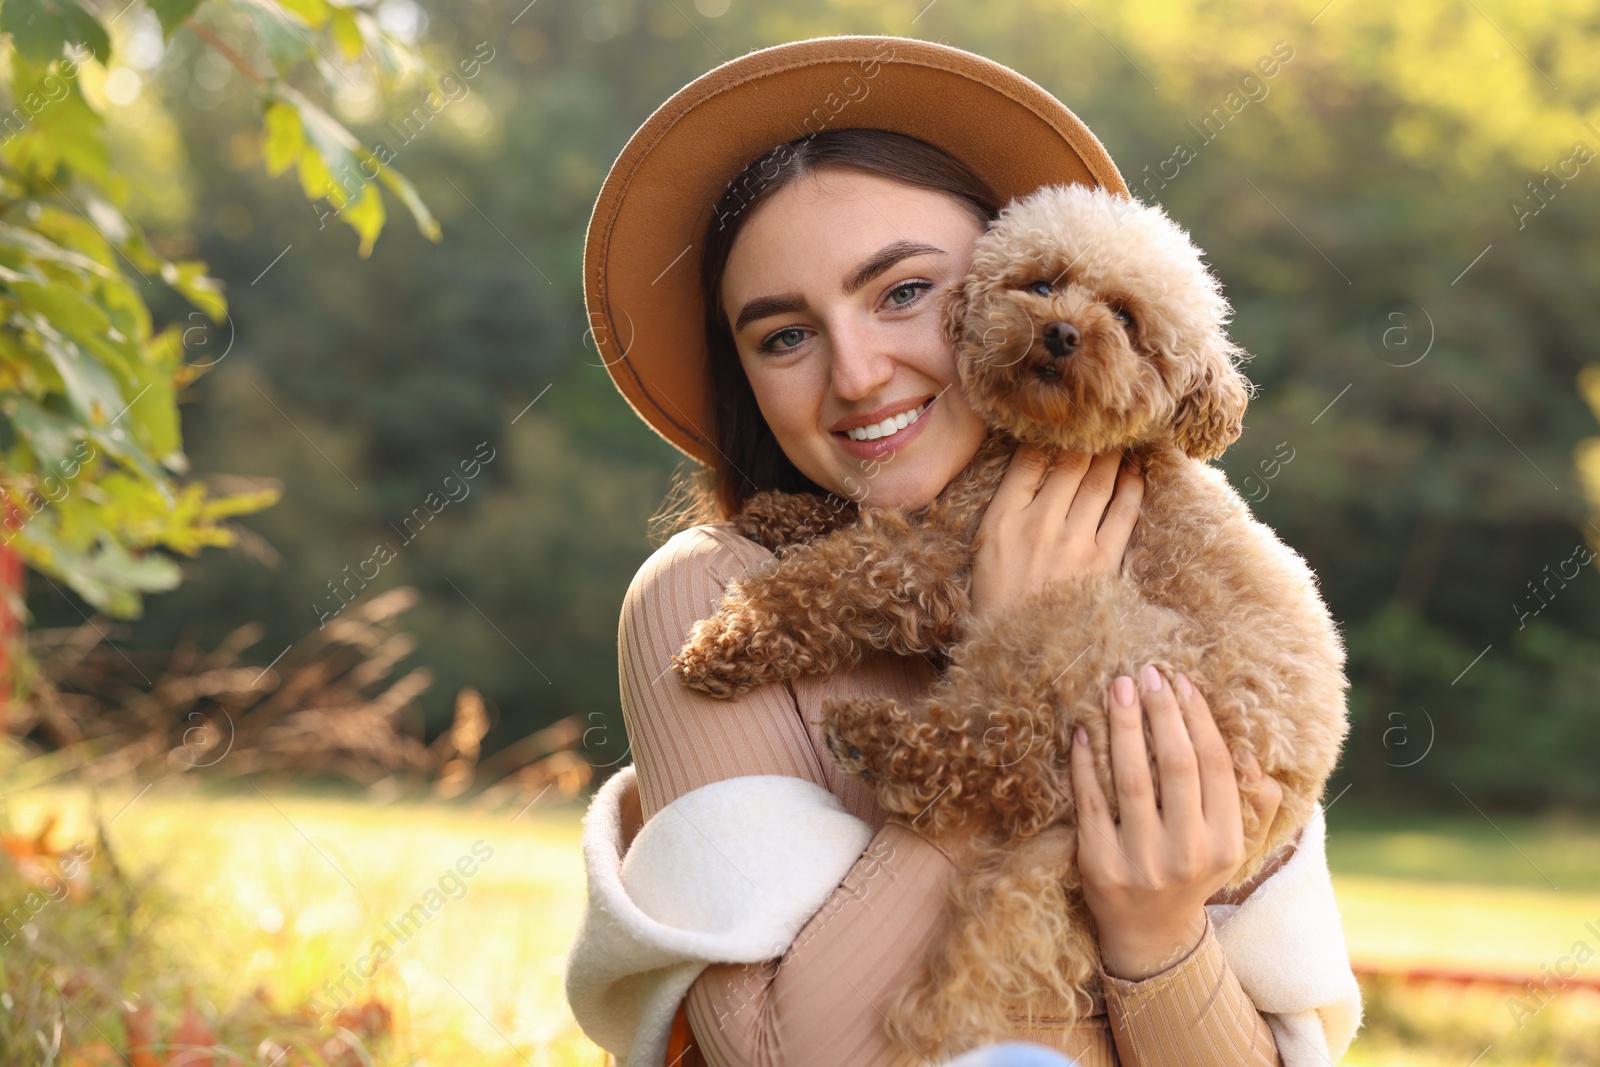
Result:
[
  {"x": 777, "y": 520},
  {"x": 955, "y": 754},
  {"x": 882, "y": 584},
  {"x": 1017, "y": 935}
]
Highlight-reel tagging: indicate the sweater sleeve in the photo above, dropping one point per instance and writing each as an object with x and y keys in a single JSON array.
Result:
[
  {"x": 1193, "y": 1014},
  {"x": 823, "y": 1001}
]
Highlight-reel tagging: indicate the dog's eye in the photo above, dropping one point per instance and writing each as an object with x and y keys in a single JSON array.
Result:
[
  {"x": 1041, "y": 288},
  {"x": 1122, "y": 316}
]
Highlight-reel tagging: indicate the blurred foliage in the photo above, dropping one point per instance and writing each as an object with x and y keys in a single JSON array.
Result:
[
  {"x": 1403, "y": 214},
  {"x": 89, "y": 422}
]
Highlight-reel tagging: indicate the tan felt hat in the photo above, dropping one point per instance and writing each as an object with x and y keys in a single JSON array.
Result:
[{"x": 641, "y": 257}]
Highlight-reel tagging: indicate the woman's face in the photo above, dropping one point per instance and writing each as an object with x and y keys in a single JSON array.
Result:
[{"x": 839, "y": 279}]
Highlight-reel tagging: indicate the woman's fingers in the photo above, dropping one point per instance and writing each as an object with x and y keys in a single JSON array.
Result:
[
  {"x": 1065, "y": 482},
  {"x": 1097, "y": 832},
  {"x": 1130, "y": 765},
  {"x": 1020, "y": 483},
  {"x": 1265, "y": 796},
  {"x": 1084, "y": 503},
  {"x": 1181, "y": 807},
  {"x": 1219, "y": 789},
  {"x": 1118, "y": 524}
]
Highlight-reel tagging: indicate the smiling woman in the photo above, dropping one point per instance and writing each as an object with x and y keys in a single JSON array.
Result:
[
  {"x": 842, "y": 352},
  {"x": 909, "y": 214}
]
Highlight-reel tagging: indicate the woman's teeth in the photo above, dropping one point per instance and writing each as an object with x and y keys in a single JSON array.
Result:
[{"x": 887, "y": 426}]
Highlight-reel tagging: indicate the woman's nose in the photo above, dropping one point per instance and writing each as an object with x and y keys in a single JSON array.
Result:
[{"x": 860, "y": 366}]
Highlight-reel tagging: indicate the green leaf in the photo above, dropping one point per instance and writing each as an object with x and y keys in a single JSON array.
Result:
[
  {"x": 340, "y": 151},
  {"x": 284, "y": 35},
  {"x": 286, "y": 137},
  {"x": 401, "y": 186},
  {"x": 36, "y": 28},
  {"x": 347, "y": 33},
  {"x": 314, "y": 12},
  {"x": 38, "y": 247},
  {"x": 84, "y": 321},
  {"x": 365, "y": 216},
  {"x": 189, "y": 277},
  {"x": 84, "y": 28},
  {"x": 51, "y": 438},
  {"x": 59, "y": 131},
  {"x": 90, "y": 387},
  {"x": 109, "y": 577},
  {"x": 340, "y": 168},
  {"x": 172, "y": 13},
  {"x": 39, "y": 28}
]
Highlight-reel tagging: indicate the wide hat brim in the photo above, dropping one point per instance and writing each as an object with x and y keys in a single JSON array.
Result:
[{"x": 641, "y": 257}]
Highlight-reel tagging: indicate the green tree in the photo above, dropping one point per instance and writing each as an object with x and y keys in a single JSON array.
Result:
[{"x": 92, "y": 475}]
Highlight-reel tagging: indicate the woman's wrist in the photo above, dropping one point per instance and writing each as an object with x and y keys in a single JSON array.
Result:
[{"x": 1141, "y": 950}]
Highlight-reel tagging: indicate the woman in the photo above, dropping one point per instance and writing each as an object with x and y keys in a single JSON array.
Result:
[{"x": 823, "y": 264}]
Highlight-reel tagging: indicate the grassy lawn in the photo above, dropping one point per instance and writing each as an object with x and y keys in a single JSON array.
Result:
[
  {"x": 288, "y": 893},
  {"x": 1512, "y": 896},
  {"x": 282, "y": 895}
]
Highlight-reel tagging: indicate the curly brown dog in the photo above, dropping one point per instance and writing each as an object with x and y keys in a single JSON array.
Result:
[{"x": 1087, "y": 322}]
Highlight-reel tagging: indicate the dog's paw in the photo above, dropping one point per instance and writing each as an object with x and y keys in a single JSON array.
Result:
[
  {"x": 704, "y": 665},
  {"x": 842, "y": 719}
]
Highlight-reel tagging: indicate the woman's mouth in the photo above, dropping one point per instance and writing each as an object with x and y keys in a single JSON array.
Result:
[{"x": 881, "y": 438}]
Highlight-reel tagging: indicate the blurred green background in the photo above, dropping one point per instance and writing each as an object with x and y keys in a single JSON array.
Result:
[{"x": 1413, "y": 275}]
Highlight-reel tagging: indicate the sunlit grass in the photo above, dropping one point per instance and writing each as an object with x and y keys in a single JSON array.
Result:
[{"x": 286, "y": 893}]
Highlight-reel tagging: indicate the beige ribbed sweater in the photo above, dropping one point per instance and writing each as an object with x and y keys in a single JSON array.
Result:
[{"x": 823, "y": 1002}]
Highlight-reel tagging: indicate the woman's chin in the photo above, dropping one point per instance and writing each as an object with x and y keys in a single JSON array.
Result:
[{"x": 906, "y": 493}]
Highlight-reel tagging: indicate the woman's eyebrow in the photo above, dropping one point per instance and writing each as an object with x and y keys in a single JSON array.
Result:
[{"x": 874, "y": 265}]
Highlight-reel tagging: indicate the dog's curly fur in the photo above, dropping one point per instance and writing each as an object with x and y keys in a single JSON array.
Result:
[{"x": 1204, "y": 589}]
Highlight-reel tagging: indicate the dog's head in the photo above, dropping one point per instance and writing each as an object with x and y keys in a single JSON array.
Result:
[{"x": 1088, "y": 321}]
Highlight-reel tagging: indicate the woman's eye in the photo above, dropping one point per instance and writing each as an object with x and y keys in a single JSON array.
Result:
[
  {"x": 909, "y": 287},
  {"x": 771, "y": 344},
  {"x": 1041, "y": 288},
  {"x": 1123, "y": 317}
]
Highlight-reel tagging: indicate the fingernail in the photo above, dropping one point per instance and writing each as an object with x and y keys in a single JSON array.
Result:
[
  {"x": 1184, "y": 685},
  {"x": 1122, "y": 689},
  {"x": 1152, "y": 678},
  {"x": 1081, "y": 736}
]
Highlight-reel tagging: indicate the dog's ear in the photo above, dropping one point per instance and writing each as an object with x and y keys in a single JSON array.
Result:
[
  {"x": 955, "y": 312},
  {"x": 1210, "y": 415}
]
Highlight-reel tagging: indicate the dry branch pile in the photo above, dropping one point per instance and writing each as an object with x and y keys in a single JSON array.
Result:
[{"x": 326, "y": 706}]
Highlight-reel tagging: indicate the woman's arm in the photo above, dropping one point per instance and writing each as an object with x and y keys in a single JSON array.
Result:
[
  {"x": 823, "y": 1001},
  {"x": 1192, "y": 1014}
]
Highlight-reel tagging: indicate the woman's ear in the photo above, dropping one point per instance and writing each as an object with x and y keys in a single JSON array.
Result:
[
  {"x": 1210, "y": 415},
  {"x": 955, "y": 312}
]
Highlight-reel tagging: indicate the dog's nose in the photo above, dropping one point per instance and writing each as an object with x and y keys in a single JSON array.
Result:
[{"x": 1061, "y": 338}]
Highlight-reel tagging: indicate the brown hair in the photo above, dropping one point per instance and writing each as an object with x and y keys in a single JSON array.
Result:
[{"x": 749, "y": 456}]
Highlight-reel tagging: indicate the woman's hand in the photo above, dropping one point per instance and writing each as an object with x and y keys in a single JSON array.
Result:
[
  {"x": 1148, "y": 875},
  {"x": 1041, "y": 528}
]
